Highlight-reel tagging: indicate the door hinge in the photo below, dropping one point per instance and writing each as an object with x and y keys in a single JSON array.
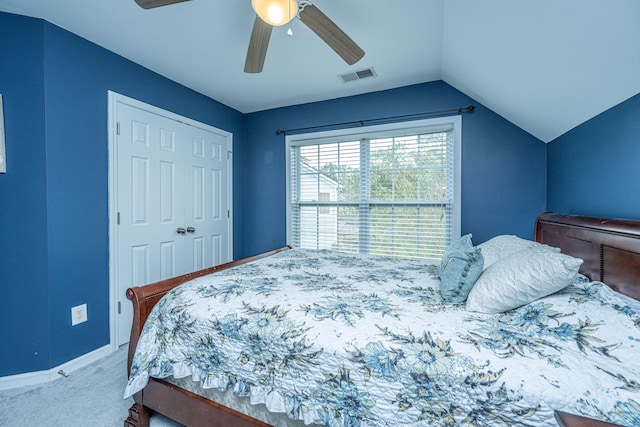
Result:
[
  {"x": 228, "y": 154},
  {"x": 119, "y": 307},
  {"x": 117, "y": 128},
  {"x": 228, "y": 214},
  {"x": 118, "y": 218}
]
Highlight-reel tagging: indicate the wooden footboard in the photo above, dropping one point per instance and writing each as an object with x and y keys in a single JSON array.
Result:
[{"x": 159, "y": 395}]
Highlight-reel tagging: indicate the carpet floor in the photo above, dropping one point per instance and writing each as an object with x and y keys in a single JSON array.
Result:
[{"x": 88, "y": 397}]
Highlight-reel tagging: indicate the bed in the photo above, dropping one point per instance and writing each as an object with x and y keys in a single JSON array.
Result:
[{"x": 486, "y": 369}]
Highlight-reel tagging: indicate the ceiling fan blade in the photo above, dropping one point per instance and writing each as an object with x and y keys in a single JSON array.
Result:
[
  {"x": 150, "y": 4},
  {"x": 258, "y": 44},
  {"x": 332, "y": 35}
]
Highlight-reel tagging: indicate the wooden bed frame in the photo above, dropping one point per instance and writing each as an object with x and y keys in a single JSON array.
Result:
[{"x": 610, "y": 249}]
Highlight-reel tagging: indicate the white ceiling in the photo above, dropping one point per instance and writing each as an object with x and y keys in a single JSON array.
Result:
[{"x": 545, "y": 65}]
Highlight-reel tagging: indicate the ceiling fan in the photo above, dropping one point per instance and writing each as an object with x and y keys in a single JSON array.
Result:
[{"x": 270, "y": 13}]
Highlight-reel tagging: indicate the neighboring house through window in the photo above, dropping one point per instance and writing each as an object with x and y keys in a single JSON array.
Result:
[{"x": 390, "y": 189}]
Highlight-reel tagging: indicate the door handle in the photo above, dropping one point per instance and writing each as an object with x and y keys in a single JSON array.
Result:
[
  {"x": 181, "y": 230},
  {"x": 191, "y": 230}
]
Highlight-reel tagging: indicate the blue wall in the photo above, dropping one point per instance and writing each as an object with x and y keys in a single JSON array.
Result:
[
  {"x": 24, "y": 305},
  {"x": 503, "y": 167},
  {"x": 594, "y": 169},
  {"x": 54, "y": 220}
]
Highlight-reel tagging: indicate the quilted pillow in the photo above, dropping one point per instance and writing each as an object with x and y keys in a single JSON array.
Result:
[
  {"x": 521, "y": 278},
  {"x": 505, "y": 245},
  {"x": 460, "y": 268}
]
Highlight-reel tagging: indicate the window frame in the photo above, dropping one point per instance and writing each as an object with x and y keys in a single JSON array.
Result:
[{"x": 384, "y": 130}]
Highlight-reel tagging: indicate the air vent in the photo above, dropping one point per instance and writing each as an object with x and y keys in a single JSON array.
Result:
[{"x": 357, "y": 75}]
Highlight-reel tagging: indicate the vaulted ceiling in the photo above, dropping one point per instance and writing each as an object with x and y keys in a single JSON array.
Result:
[{"x": 545, "y": 65}]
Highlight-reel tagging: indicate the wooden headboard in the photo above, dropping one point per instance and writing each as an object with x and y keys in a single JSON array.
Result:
[{"x": 610, "y": 248}]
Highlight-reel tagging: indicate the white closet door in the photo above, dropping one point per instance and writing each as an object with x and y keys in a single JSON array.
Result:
[
  {"x": 172, "y": 202},
  {"x": 206, "y": 199}
]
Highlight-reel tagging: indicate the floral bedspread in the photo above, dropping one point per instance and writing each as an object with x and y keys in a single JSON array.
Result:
[{"x": 354, "y": 340}]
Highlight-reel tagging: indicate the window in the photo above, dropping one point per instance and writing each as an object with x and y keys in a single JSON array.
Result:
[
  {"x": 325, "y": 197},
  {"x": 388, "y": 190}
]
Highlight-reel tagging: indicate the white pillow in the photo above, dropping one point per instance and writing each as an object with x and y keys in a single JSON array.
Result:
[
  {"x": 521, "y": 278},
  {"x": 504, "y": 245}
]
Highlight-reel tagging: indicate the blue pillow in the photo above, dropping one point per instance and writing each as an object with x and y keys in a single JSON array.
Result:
[{"x": 461, "y": 266}]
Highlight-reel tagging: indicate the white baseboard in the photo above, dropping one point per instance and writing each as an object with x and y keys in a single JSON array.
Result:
[{"x": 39, "y": 377}]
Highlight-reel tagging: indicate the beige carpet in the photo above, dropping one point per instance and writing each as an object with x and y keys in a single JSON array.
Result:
[{"x": 91, "y": 396}]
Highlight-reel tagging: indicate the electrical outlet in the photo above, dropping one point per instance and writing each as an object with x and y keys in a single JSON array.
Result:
[{"x": 78, "y": 314}]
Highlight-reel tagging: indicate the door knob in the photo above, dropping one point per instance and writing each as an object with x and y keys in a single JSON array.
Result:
[
  {"x": 191, "y": 230},
  {"x": 181, "y": 230}
]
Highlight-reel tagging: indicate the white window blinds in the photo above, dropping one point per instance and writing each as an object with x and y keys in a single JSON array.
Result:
[{"x": 391, "y": 190}]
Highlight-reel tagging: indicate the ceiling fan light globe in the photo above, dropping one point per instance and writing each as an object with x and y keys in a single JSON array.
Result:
[{"x": 275, "y": 12}]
